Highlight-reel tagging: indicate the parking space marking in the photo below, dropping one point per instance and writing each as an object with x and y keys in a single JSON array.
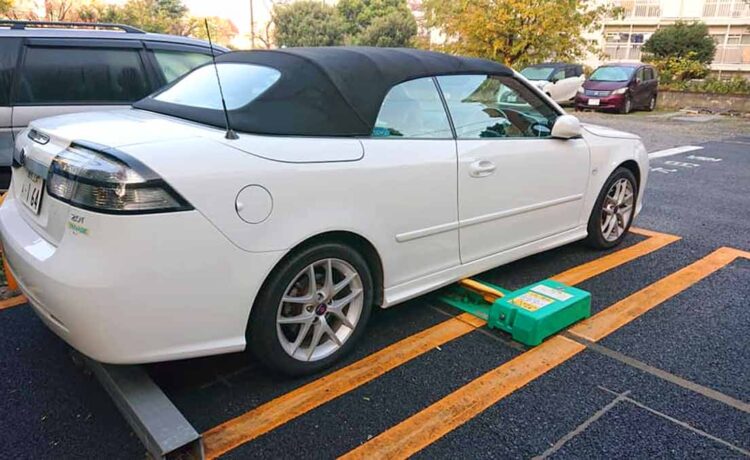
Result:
[
  {"x": 582, "y": 427},
  {"x": 588, "y": 270},
  {"x": 673, "y": 151},
  {"x": 12, "y": 302},
  {"x": 289, "y": 406},
  {"x": 604, "y": 323},
  {"x": 256, "y": 422},
  {"x": 664, "y": 375},
  {"x": 685, "y": 425},
  {"x": 427, "y": 426}
]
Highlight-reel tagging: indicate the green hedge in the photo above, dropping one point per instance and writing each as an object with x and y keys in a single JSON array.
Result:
[{"x": 711, "y": 85}]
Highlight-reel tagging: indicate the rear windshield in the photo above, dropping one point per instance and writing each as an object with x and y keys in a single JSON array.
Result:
[
  {"x": 241, "y": 84},
  {"x": 612, "y": 74},
  {"x": 537, "y": 73}
]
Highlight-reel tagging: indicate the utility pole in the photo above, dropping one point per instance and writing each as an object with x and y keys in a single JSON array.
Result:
[{"x": 252, "y": 26}]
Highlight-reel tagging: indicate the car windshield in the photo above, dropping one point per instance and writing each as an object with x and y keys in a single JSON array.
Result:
[
  {"x": 241, "y": 84},
  {"x": 612, "y": 74},
  {"x": 537, "y": 73}
]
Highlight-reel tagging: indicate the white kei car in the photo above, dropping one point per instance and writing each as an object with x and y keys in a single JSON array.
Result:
[
  {"x": 558, "y": 80},
  {"x": 359, "y": 177}
]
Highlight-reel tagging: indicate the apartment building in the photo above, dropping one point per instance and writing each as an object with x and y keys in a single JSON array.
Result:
[{"x": 728, "y": 22}]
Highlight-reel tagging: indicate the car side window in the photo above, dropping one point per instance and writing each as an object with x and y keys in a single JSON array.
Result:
[
  {"x": 641, "y": 74},
  {"x": 174, "y": 64},
  {"x": 413, "y": 110},
  {"x": 8, "y": 60},
  {"x": 559, "y": 75},
  {"x": 570, "y": 72},
  {"x": 58, "y": 75},
  {"x": 649, "y": 73},
  {"x": 484, "y": 106}
]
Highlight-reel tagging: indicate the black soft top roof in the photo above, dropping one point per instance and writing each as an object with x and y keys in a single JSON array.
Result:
[{"x": 331, "y": 91}]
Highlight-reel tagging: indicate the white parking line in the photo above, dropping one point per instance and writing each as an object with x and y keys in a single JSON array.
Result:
[{"x": 673, "y": 151}]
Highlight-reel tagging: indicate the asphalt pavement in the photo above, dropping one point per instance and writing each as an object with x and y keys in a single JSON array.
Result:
[{"x": 673, "y": 381}]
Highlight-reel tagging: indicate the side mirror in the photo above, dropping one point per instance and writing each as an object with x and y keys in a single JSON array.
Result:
[
  {"x": 553, "y": 80},
  {"x": 566, "y": 127}
]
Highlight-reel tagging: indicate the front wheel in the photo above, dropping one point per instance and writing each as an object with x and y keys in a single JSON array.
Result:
[
  {"x": 652, "y": 103},
  {"x": 312, "y": 309},
  {"x": 613, "y": 212},
  {"x": 627, "y": 106}
]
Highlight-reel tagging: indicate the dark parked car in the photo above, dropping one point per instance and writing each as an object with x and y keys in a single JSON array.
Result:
[
  {"x": 622, "y": 87},
  {"x": 53, "y": 68}
]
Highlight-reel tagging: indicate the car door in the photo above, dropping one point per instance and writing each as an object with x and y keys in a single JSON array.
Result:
[
  {"x": 171, "y": 61},
  {"x": 516, "y": 184},
  {"x": 411, "y": 161},
  {"x": 641, "y": 92},
  {"x": 9, "y": 48},
  {"x": 59, "y": 76},
  {"x": 573, "y": 81},
  {"x": 557, "y": 89}
]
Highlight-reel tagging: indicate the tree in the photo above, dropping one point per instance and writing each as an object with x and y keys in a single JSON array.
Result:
[
  {"x": 680, "y": 39},
  {"x": 5, "y": 7},
  {"x": 518, "y": 32},
  {"x": 360, "y": 14},
  {"x": 393, "y": 30},
  {"x": 307, "y": 23},
  {"x": 159, "y": 16},
  {"x": 222, "y": 30}
]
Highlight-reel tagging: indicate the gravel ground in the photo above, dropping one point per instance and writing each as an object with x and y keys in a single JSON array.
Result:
[{"x": 662, "y": 130}]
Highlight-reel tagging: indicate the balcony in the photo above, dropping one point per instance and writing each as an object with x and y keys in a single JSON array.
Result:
[
  {"x": 640, "y": 8},
  {"x": 726, "y": 9}
]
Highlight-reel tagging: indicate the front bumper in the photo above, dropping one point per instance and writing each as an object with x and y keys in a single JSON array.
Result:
[
  {"x": 137, "y": 289},
  {"x": 613, "y": 102}
]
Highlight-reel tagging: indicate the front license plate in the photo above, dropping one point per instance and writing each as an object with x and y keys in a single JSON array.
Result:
[
  {"x": 32, "y": 187},
  {"x": 593, "y": 101}
]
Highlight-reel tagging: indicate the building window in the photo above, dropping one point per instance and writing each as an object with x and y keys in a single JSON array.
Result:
[
  {"x": 640, "y": 8},
  {"x": 726, "y": 8}
]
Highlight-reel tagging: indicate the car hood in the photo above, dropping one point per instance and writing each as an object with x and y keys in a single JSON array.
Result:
[
  {"x": 603, "y": 131},
  {"x": 604, "y": 85}
]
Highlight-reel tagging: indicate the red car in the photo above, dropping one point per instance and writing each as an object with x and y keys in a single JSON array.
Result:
[{"x": 621, "y": 87}]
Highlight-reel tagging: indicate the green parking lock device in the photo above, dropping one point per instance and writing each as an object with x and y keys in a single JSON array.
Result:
[{"x": 530, "y": 314}]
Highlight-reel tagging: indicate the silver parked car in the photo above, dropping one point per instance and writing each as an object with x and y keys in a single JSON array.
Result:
[{"x": 53, "y": 68}]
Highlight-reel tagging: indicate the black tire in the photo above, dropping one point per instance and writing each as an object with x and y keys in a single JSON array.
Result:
[
  {"x": 651, "y": 104},
  {"x": 263, "y": 339},
  {"x": 627, "y": 106},
  {"x": 595, "y": 237}
]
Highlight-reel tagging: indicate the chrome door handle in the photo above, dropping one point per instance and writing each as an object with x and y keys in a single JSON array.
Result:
[{"x": 482, "y": 168}]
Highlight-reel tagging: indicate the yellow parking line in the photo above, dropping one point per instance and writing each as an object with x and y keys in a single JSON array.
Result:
[
  {"x": 12, "y": 302},
  {"x": 432, "y": 423},
  {"x": 580, "y": 273},
  {"x": 459, "y": 407},
  {"x": 250, "y": 425},
  {"x": 630, "y": 308},
  {"x": 265, "y": 418}
]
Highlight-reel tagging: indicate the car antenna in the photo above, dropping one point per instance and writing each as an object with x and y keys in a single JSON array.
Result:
[{"x": 231, "y": 135}]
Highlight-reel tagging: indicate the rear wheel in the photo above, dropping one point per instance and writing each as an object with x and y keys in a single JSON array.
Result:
[
  {"x": 652, "y": 103},
  {"x": 613, "y": 212},
  {"x": 312, "y": 309}
]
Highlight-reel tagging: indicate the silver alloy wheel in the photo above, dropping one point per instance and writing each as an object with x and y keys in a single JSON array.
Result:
[
  {"x": 628, "y": 105},
  {"x": 320, "y": 309},
  {"x": 652, "y": 103},
  {"x": 617, "y": 209}
]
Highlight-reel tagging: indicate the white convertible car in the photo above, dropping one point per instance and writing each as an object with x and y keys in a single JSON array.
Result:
[{"x": 360, "y": 178}]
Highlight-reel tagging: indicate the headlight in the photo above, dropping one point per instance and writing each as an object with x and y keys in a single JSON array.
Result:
[
  {"x": 620, "y": 90},
  {"x": 581, "y": 90},
  {"x": 101, "y": 181}
]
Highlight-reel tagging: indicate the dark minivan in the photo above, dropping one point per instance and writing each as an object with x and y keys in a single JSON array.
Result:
[
  {"x": 622, "y": 87},
  {"x": 54, "y": 68}
]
